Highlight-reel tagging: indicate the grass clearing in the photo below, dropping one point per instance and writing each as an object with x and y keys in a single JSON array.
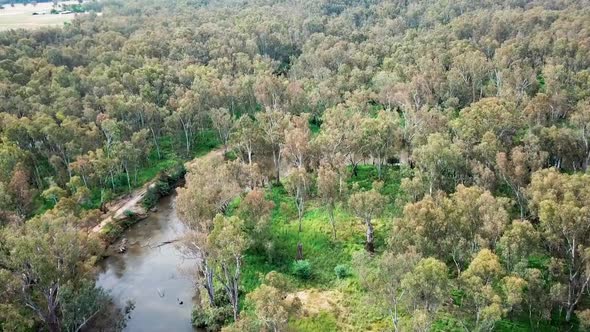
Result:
[
  {"x": 21, "y": 16},
  {"x": 324, "y": 254}
]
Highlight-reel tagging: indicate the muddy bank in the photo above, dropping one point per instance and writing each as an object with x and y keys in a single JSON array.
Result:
[{"x": 136, "y": 206}]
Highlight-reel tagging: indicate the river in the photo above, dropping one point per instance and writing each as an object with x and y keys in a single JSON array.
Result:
[{"x": 152, "y": 276}]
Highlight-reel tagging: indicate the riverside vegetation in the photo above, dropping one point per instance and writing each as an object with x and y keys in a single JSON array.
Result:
[{"x": 382, "y": 164}]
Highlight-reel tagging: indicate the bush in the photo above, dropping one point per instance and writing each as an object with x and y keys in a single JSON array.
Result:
[
  {"x": 129, "y": 214},
  {"x": 151, "y": 198},
  {"x": 163, "y": 186},
  {"x": 111, "y": 232},
  {"x": 211, "y": 318},
  {"x": 159, "y": 189},
  {"x": 231, "y": 155},
  {"x": 342, "y": 271},
  {"x": 302, "y": 269}
]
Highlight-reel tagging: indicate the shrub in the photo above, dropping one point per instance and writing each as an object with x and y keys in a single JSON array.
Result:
[
  {"x": 342, "y": 271},
  {"x": 151, "y": 198},
  {"x": 111, "y": 232},
  {"x": 129, "y": 214},
  {"x": 176, "y": 174},
  {"x": 231, "y": 155},
  {"x": 302, "y": 269},
  {"x": 212, "y": 318},
  {"x": 163, "y": 186},
  {"x": 154, "y": 192}
]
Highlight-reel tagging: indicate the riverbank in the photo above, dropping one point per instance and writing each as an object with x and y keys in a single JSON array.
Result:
[
  {"x": 130, "y": 202},
  {"x": 136, "y": 206},
  {"x": 153, "y": 273}
]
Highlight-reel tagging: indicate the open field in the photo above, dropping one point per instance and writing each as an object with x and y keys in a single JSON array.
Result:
[{"x": 21, "y": 17}]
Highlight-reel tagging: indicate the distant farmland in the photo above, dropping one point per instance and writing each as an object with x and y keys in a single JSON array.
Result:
[{"x": 21, "y": 17}]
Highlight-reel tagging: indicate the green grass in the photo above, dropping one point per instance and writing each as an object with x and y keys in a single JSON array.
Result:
[
  {"x": 204, "y": 143},
  {"x": 324, "y": 322},
  {"x": 392, "y": 177},
  {"x": 522, "y": 324},
  {"x": 319, "y": 248}
]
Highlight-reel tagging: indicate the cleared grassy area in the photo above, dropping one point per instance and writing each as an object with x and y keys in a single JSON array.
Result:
[
  {"x": 21, "y": 16},
  {"x": 323, "y": 252}
]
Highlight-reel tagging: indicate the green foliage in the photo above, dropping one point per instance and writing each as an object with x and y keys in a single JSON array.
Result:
[
  {"x": 129, "y": 214},
  {"x": 447, "y": 323},
  {"x": 81, "y": 303},
  {"x": 367, "y": 174},
  {"x": 211, "y": 318},
  {"x": 111, "y": 232},
  {"x": 342, "y": 271},
  {"x": 206, "y": 141},
  {"x": 231, "y": 155},
  {"x": 76, "y": 8},
  {"x": 302, "y": 269},
  {"x": 457, "y": 295},
  {"x": 163, "y": 185},
  {"x": 488, "y": 93},
  {"x": 324, "y": 321}
]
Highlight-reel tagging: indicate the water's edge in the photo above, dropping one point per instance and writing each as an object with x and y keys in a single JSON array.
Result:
[{"x": 155, "y": 277}]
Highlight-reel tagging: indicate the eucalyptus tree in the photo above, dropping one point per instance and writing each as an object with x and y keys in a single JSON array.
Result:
[{"x": 367, "y": 205}]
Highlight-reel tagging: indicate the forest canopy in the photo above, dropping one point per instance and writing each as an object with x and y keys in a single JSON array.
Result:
[{"x": 471, "y": 119}]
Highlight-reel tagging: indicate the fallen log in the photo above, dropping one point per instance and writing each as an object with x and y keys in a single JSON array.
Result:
[{"x": 165, "y": 243}]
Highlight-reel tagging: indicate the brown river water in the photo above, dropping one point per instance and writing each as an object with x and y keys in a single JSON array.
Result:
[{"x": 152, "y": 276}]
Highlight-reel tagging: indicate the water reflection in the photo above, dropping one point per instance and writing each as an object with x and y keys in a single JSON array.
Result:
[{"x": 151, "y": 276}]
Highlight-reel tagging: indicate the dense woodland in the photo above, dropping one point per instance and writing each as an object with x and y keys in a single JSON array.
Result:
[{"x": 425, "y": 162}]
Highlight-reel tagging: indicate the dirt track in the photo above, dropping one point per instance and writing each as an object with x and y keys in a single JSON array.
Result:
[{"x": 132, "y": 201}]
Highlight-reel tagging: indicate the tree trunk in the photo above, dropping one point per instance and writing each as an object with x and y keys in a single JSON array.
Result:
[
  {"x": 188, "y": 144},
  {"x": 355, "y": 170},
  {"x": 299, "y": 251},
  {"x": 128, "y": 178},
  {"x": 332, "y": 221},
  {"x": 38, "y": 176},
  {"x": 276, "y": 158},
  {"x": 156, "y": 143},
  {"x": 235, "y": 289},
  {"x": 112, "y": 179},
  {"x": 235, "y": 299},
  {"x": 53, "y": 326},
  {"x": 51, "y": 319},
  {"x": 568, "y": 314},
  {"x": 250, "y": 156},
  {"x": 209, "y": 284},
  {"x": 84, "y": 179},
  {"x": 185, "y": 129},
  {"x": 380, "y": 167},
  {"x": 370, "y": 245}
]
